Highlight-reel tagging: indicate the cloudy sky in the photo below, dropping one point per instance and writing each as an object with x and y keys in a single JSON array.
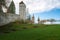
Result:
[
  {"x": 35, "y": 6},
  {"x": 44, "y": 9}
]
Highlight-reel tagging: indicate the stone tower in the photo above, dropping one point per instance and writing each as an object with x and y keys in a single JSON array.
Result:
[
  {"x": 22, "y": 11},
  {"x": 33, "y": 19},
  {"x": 38, "y": 20}
]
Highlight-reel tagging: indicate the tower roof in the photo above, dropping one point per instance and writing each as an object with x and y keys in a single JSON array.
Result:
[{"x": 21, "y": 2}]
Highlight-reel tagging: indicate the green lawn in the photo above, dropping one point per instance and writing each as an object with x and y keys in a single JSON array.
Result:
[{"x": 47, "y": 32}]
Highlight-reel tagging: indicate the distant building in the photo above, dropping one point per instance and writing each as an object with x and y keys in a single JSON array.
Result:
[{"x": 22, "y": 11}]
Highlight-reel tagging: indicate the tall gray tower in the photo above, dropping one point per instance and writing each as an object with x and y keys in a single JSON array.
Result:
[{"x": 22, "y": 10}]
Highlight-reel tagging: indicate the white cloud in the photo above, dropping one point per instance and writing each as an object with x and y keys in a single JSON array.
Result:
[{"x": 38, "y": 5}]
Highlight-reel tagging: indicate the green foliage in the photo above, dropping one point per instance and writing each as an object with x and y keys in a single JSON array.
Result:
[
  {"x": 29, "y": 18},
  {"x": 52, "y": 20},
  {"x": 11, "y": 8}
]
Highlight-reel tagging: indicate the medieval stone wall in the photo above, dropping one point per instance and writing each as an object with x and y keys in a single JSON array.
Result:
[{"x": 5, "y": 19}]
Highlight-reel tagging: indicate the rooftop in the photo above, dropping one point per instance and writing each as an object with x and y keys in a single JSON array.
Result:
[{"x": 21, "y": 2}]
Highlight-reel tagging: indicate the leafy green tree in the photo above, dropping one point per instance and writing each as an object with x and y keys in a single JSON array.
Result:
[
  {"x": 51, "y": 20},
  {"x": 28, "y": 19},
  {"x": 11, "y": 8}
]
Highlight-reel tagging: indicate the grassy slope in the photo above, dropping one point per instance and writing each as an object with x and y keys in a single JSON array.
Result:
[{"x": 48, "y": 32}]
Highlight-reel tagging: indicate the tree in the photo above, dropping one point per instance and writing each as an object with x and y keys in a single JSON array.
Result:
[
  {"x": 29, "y": 18},
  {"x": 11, "y": 8},
  {"x": 52, "y": 20}
]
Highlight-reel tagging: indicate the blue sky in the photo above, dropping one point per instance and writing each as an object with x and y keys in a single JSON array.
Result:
[{"x": 52, "y": 14}]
